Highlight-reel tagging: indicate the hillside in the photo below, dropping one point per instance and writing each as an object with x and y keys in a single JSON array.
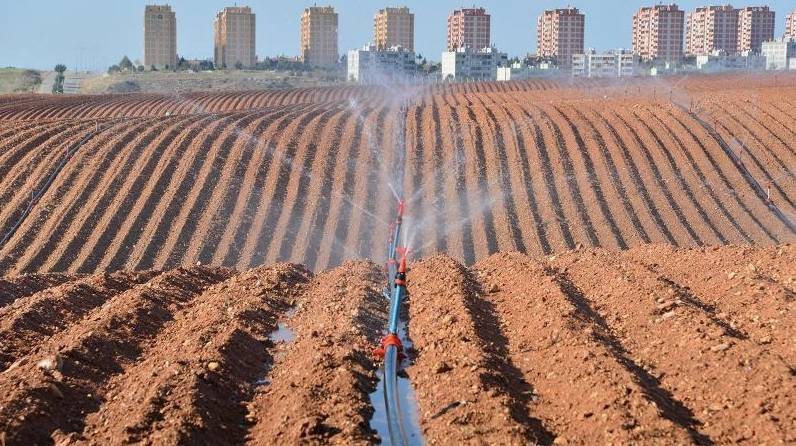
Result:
[
  {"x": 18, "y": 80},
  {"x": 138, "y": 181}
]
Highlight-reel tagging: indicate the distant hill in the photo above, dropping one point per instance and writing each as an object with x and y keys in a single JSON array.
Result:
[
  {"x": 19, "y": 80},
  {"x": 188, "y": 81}
]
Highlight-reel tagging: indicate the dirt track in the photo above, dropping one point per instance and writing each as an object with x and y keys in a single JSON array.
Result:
[
  {"x": 242, "y": 179},
  {"x": 651, "y": 346}
]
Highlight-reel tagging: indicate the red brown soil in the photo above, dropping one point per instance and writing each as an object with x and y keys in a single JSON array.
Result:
[
  {"x": 319, "y": 385},
  {"x": 647, "y": 297},
  {"x": 246, "y": 178},
  {"x": 653, "y": 345}
]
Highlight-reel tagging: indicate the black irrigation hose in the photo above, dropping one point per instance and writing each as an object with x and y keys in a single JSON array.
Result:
[
  {"x": 750, "y": 179},
  {"x": 35, "y": 197}
]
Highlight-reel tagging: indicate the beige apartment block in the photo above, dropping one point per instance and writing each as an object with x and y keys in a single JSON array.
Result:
[
  {"x": 658, "y": 33},
  {"x": 711, "y": 29},
  {"x": 560, "y": 35},
  {"x": 319, "y": 36},
  {"x": 160, "y": 37},
  {"x": 755, "y": 26},
  {"x": 469, "y": 28},
  {"x": 790, "y": 26},
  {"x": 234, "y": 30},
  {"x": 394, "y": 27}
]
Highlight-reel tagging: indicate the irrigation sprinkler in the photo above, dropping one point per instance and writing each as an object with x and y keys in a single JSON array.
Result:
[
  {"x": 395, "y": 235},
  {"x": 391, "y": 349}
]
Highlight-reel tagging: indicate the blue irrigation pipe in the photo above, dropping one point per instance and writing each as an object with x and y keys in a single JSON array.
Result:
[
  {"x": 392, "y": 357},
  {"x": 395, "y": 238}
]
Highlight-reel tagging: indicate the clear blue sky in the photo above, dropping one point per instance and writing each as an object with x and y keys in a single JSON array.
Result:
[{"x": 97, "y": 33}]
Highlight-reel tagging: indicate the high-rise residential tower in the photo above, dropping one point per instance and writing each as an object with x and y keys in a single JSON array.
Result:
[
  {"x": 394, "y": 27},
  {"x": 469, "y": 28},
  {"x": 658, "y": 33},
  {"x": 755, "y": 26},
  {"x": 790, "y": 26},
  {"x": 712, "y": 28},
  {"x": 560, "y": 35},
  {"x": 319, "y": 36},
  {"x": 160, "y": 37},
  {"x": 234, "y": 29}
]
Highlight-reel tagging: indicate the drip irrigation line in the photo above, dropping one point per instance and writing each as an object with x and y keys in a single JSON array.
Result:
[{"x": 761, "y": 193}]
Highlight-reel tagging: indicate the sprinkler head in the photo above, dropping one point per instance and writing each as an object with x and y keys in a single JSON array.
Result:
[
  {"x": 401, "y": 206},
  {"x": 402, "y": 266}
]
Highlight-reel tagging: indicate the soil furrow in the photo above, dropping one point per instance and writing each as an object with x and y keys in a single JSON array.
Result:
[
  {"x": 467, "y": 390},
  {"x": 318, "y": 390},
  {"x": 725, "y": 185},
  {"x": 234, "y": 254},
  {"x": 559, "y": 353},
  {"x": 317, "y": 217},
  {"x": 149, "y": 249},
  {"x": 15, "y": 288},
  {"x": 476, "y": 163},
  {"x": 277, "y": 186},
  {"x": 146, "y": 203},
  {"x": 36, "y": 239},
  {"x": 29, "y": 321},
  {"x": 701, "y": 177},
  {"x": 302, "y": 186},
  {"x": 549, "y": 180},
  {"x": 660, "y": 181},
  {"x": 504, "y": 173},
  {"x": 179, "y": 248},
  {"x": 669, "y": 335},
  {"x": 638, "y": 182},
  {"x": 211, "y": 357},
  {"x": 340, "y": 220},
  {"x": 51, "y": 391},
  {"x": 462, "y": 189},
  {"x": 631, "y": 226}
]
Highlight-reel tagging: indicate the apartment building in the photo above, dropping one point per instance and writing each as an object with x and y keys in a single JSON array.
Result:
[
  {"x": 371, "y": 65},
  {"x": 755, "y": 26},
  {"x": 615, "y": 63},
  {"x": 469, "y": 28},
  {"x": 394, "y": 27},
  {"x": 319, "y": 36},
  {"x": 470, "y": 64},
  {"x": 560, "y": 35},
  {"x": 712, "y": 29},
  {"x": 658, "y": 33},
  {"x": 160, "y": 37},
  {"x": 780, "y": 54},
  {"x": 234, "y": 35},
  {"x": 790, "y": 26}
]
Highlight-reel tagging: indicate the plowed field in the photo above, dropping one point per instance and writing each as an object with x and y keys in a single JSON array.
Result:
[
  {"x": 135, "y": 182},
  {"x": 651, "y": 346},
  {"x": 599, "y": 263}
]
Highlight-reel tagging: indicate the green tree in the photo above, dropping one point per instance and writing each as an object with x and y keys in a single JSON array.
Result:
[
  {"x": 126, "y": 64},
  {"x": 238, "y": 65},
  {"x": 58, "y": 84}
]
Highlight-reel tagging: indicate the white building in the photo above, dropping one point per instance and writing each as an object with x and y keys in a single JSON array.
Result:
[
  {"x": 720, "y": 61},
  {"x": 518, "y": 72},
  {"x": 780, "y": 54},
  {"x": 470, "y": 64},
  {"x": 371, "y": 65},
  {"x": 615, "y": 63}
]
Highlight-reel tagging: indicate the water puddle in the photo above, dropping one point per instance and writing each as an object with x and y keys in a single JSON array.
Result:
[
  {"x": 282, "y": 335},
  {"x": 407, "y": 400}
]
